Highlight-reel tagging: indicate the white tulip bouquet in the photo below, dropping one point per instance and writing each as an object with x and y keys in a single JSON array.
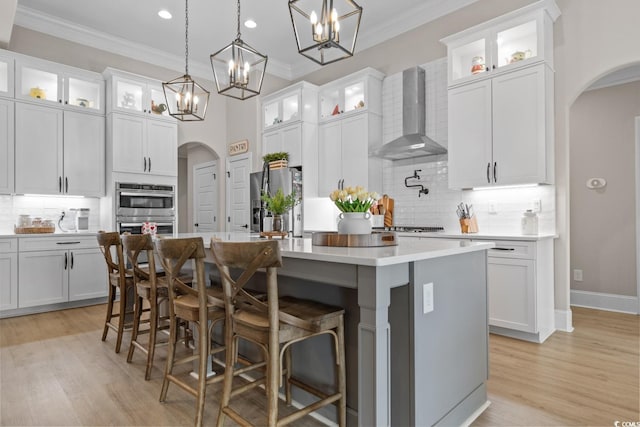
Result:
[{"x": 353, "y": 199}]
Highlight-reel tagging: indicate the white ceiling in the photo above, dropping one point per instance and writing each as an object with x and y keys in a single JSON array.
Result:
[{"x": 133, "y": 28}]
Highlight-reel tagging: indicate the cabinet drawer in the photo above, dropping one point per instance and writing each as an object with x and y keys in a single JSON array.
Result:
[
  {"x": 513, "y": 249},
  {"x": 8, "y": 245},
  {"x": 58, "y": 243}
]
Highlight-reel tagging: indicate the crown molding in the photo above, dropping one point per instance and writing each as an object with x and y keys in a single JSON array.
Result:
[{"x": 47, "y": 24}]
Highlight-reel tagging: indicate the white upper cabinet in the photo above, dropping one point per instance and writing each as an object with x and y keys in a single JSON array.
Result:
[
  {"x": 58, "y": 152},
  {"x": 49, "y": 83},
  {"x": 356, "y": 92},
  {"x": 6, "y": 74},
  {"x": 6, "y": 146},
  {"x": 129, "y": 93},
  {"x": 514, "y": 40},
  {"x": 294, "y": 103}
]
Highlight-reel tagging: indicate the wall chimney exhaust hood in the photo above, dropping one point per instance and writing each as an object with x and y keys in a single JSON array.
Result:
[{"x": 414, "y": 142}]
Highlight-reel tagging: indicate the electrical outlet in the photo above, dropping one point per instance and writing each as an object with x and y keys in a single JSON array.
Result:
[
  {"x": 492, "y": 207},
  {"x": 536, "y": 205},
  {"x": 577, "y": 275},
  {"x": 427, "y": 298}
]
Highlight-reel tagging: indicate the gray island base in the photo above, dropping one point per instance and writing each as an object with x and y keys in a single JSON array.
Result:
[{"x": 416, "y": 327}]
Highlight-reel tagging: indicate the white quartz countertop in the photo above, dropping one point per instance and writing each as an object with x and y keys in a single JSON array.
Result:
[
  {"x": 407, "y": 250},
  {"x": 480, "y": 236},
  {"x": 8, "y": 232}
]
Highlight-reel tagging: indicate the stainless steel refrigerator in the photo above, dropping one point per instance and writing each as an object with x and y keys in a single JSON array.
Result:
[{"x": 269, "y": 181}]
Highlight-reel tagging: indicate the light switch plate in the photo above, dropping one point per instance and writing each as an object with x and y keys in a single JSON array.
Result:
[{"x": 427, "y": 298}]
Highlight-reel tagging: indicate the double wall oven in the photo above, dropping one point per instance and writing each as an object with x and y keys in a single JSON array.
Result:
[{"x": 139, "y": 203}]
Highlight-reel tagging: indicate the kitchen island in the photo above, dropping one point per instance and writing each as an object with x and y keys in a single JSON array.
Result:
[{"x": 416, "y": 335}]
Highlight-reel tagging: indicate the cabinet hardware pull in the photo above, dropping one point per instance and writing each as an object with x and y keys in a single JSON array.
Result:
[
  {"x": 71, "y": 260},
  {"x": 495, "y": 168},
  {"x": 149, "y": 164},
  {"x": 494, "y": 66},
  {"x": 504, "y": 249},
  {"x": 66, "y": 261},
  {"x": 145, "y": 164},
  {"x": 66, "y": 102},
  {"x": 486, "y": 69},
  {"x": 228, "y": 174},
  {"x": 59, "y": 184},
  {"x": 60, "y": 101},
  {"x": 67, "y": 243},
  {"x": 66, "y": 184},
  {"x": 488, "y": 176}
]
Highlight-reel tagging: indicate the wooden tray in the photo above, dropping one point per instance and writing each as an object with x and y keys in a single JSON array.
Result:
[
  {"x": 375, "y": 239},
  {"x": 34, "y": 230},
  {"x": 271, "y": 234}
]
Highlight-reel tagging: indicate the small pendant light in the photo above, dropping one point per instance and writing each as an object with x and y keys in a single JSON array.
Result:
[
  {"x": 238, "y": 69},
  {"x": 186, "y": 99}
]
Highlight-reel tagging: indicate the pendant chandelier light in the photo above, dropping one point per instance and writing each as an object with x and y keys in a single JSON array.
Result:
[
  {"x": 238, "y": 69},
  {"x": 325, "y": 30},
  {"x": 187, "y": 100}
]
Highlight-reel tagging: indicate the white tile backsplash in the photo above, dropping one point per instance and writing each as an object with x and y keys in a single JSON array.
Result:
[{"x": 46, "y": 207}]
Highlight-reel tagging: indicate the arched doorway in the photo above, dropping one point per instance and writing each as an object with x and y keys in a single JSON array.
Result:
[
  {"x": 603, "y": 153},
  {"x": 191, "y": 154}
]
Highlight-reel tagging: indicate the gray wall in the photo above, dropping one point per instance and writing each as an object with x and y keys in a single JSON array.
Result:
[{"x": 603, "y": 229}]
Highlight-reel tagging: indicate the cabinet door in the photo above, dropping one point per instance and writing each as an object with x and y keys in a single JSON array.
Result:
[
  {"x": 86, "y": 274},
  {"x": 355, "y": 155},
  {"x": 8, "y": 281},
  {"x": 39, "y": 81},
  {"x": 129, "y": 134},
  {"x": 329, "y": 157},
  {"x": 6, "y": 74},
  {"x": 272, "y": 142},
  {"x": 42, "y": 278},
  {"x": 38, "y": 149},
  {"x": 84, "y": 154},
  {"x": 6, "y": 146},
  {"x": 519, "y": 128},
  {"x": 512, "y": 302},
  {"x": 470, "y": 135},
  {"x": 162, "y": 148},
  {"x": 292, "y": 143}
]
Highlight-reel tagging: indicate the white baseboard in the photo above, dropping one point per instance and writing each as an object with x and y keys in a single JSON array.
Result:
[
  {"x": 603, "y": 301},
  {"x": 564, "y": 320}
]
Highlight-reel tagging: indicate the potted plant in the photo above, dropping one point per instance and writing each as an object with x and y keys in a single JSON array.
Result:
[
  {"x": 276, "y": 160},
  {"x": 278, "y": 204},
  {"x": 354, "y": 204}
]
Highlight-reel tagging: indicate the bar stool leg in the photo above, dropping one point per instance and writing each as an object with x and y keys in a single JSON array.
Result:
[
  {"x": 137, "y": 308},
  {"x": 228, "y": 373},
  {"x": 287, "y": 378},
  {"x": 123, "y": 308},
  {"x": 153, "y": 329},
  {"x": 342, "y": 382},
  {"x": 203, "y": 349},
  {"x": 171, "y": 355},
  {"x": 112, "y": 297}
]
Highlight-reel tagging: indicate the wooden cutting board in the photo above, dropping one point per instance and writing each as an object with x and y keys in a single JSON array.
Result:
[{"x": 387, "y": 203}]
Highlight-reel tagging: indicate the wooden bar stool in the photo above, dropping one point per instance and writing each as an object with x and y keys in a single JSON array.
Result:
[
  {"x": 200, "y": 305},
  {"x": 150, "y": 286},
  {"x": 274, "y": 324},
  {"x": 119, "y": 280}
]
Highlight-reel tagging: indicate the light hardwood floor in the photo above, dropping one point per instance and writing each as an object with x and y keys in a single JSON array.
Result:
[{"x": 54, "y": 370}]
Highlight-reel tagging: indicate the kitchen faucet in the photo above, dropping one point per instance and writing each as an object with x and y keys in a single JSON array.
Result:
[{"x": 416, "y": 176}]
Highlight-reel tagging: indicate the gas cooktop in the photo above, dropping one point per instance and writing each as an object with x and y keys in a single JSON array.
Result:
[{"x": 414, "y": 229}]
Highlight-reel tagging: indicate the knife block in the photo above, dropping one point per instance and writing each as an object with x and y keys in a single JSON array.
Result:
[{"x": 469, "y": 225}]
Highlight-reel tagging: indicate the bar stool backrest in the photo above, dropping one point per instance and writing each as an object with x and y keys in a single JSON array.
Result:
[
  {"x": 110, "y": 242},
  {"x": 133, "y": 246}
]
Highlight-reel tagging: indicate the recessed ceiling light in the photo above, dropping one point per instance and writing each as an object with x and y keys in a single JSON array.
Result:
[
  {"x": 250, "y": 23},
  {"x": 164, "y": 14}
]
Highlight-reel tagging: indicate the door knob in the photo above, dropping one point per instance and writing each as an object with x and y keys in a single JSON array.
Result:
[
  {"x": 245, "y": 226},
  {"x": 196, "y": 224}
]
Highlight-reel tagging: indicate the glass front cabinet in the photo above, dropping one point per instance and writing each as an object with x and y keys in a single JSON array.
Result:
[
  {"x": 134, "y": 94},
  {"x": 50, "y": 83},
  {"x": 294, "y": 103},
  {"x": 511, "y": 41},
  {"x": 356, "y": 92},
  {"x": 6, "y": 74}
]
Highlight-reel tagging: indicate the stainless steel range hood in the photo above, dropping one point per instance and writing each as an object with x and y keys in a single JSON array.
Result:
[{"x": 414, "y": 142}]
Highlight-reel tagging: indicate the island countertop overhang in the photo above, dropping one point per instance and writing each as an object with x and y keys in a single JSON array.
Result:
[{"x": 407, "y": 250}]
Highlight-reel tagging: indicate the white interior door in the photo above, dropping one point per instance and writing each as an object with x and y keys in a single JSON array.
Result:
[
  {"x": 237, "y": 189},
  {"x": 205, "y": 197}
]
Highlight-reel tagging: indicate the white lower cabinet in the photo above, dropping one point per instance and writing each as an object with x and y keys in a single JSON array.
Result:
[
  {"x": 8, "y": 274},
  {"x": 57, "y": 270},
  {"x": 521, "y": 289}
]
